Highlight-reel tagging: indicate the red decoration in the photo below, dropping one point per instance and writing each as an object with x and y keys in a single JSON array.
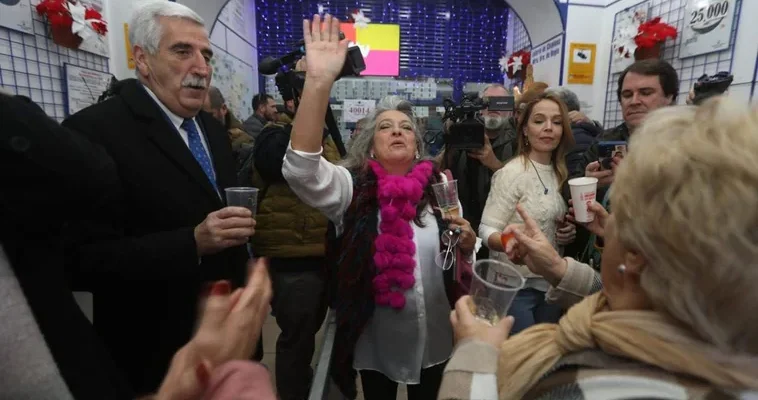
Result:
[
  {"x": 526, "y": 59},
  {"x": 59, "y": 17},
  {"x": 653, "y": 32}
]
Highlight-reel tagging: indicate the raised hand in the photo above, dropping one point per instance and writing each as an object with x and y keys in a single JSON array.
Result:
[
  {"x": 324, "y": 51},
  {"x": 532, "y": 247}
]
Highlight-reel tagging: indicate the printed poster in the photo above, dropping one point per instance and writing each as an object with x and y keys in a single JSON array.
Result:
[{"x": 581, "y": 68}]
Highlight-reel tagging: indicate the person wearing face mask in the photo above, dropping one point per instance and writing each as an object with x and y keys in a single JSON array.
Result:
[
  {"x": 474, "y": 169},
  {"x": 147, "y": 254},
  {"x": 533, "y": 179},
  {"x": 392, "y": 300}
]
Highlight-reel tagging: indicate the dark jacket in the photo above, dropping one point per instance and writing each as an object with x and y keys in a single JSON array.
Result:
[
  {"x": 137, "y": 254},
  {"x": 619, "y": 133},
  {"x": 474, "y": 178},
  {"x": 585, "y": 135},
  {"x": 51, "y": 175},
  {"x": 286, "y": 227},
  {"x": 253, "y": 125}
]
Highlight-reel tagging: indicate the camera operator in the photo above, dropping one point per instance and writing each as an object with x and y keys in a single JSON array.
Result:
[
  {"x": 292, "y": 234},
  {"x": 474, "y": 169}
]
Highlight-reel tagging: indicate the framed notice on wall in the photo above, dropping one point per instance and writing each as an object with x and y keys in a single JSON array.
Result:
[
  {"x": 17, "y": 15},
  {"x": 707, "y": 26},
  {"x": 581, "y": 68},
  {"x": 83, "y": 87}
]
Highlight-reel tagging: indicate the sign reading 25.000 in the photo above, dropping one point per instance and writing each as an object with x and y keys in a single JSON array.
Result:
[{"x": 708, "y": 26}]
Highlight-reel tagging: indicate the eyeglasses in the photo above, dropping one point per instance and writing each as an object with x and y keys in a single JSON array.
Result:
[{"x": 446, "y": 258}]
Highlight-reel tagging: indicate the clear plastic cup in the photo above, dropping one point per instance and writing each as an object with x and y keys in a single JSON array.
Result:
[
  {"x": 447, "y": 197},
  {"x": 246, "y": 197},
  {"x": 493, "y": 289}
]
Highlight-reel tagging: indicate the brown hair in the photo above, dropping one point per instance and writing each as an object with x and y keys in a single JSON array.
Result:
[
  {"x": 567, "y": 138},
  {"x": 653, "y": 67}
]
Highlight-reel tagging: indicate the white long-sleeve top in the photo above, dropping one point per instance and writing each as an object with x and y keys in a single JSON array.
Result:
[
  {"x": 396, "y": 343},
  {"x": 519, "y": 183}
]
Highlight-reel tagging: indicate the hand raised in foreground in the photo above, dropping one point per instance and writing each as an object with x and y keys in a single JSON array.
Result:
[
  {"x": 324, "y": 51},
  {"x": 229, "y": 329},
  {"x": 531, "y": 246}
]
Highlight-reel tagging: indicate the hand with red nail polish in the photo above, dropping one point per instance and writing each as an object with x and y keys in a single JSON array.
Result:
[{"x": 229, "y": 329}]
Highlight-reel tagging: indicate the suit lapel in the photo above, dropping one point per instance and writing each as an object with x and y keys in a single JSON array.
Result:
[{"x": 164, "y": 135}]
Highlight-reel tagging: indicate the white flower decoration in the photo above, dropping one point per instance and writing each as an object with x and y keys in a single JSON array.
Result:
[
  {"x": 503, "y": 63},
  {"x": 80, "y": 26},
  {"x": 361, "y": 21}
]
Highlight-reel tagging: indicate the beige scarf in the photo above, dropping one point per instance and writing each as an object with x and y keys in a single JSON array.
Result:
[{"x": 645, "y": 336}]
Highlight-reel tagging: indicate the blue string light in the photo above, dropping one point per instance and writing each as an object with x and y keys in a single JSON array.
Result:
[{"x": 444, "y": 39}]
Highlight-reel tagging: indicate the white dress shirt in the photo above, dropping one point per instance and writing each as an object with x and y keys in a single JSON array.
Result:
[{"x": 177, "y": 121}]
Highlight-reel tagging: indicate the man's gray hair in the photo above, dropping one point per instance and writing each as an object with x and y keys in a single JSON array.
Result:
[
  {"x": 216, "y": 98},
  {"x": 144, "y": 28},
  {"x": 492, "y": 86},
  {"x": 360, "y": 150},
  {"x": 569, "y": 97}
]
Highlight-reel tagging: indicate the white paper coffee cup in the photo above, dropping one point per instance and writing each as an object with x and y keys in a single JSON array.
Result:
[{"x": 583, "y": 192}]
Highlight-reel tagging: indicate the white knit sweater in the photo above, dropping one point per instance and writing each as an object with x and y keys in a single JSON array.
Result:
[{"x": 518, "y": 183}]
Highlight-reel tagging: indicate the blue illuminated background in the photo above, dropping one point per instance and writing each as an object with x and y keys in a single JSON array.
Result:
[{"x": 460, "y": 40}]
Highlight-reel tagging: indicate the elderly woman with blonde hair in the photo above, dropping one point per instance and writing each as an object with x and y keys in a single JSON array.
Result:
[{"x": 676, "y": 314}]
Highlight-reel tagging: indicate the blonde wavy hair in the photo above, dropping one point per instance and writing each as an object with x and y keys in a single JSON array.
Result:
[{"x": 686, "y": 197}]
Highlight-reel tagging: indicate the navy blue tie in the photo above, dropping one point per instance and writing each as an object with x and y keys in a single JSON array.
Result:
[{"x": 198, "y": 151}]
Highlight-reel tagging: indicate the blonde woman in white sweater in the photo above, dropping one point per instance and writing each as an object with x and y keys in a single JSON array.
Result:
[{"x": 533, "y": 179}]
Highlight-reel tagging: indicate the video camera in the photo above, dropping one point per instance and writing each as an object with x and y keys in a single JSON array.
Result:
[
  {"x": 290, "y": 82},
  {"x": 709, "y": 86},
  {"x": 467, "y": 130}
]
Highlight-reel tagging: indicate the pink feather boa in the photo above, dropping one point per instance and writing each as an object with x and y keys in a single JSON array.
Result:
[{"x": 395, "y": 250}]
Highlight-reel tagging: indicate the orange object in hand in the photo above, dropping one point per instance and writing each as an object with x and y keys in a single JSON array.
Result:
[{"x": 505, "y": 238}]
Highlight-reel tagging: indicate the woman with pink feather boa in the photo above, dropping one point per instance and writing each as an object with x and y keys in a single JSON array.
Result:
[{"x": 391, "y": 299}]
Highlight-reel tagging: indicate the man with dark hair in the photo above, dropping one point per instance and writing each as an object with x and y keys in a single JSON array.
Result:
[
  {"x": 643, "y": 87},
  {"x": 264, "y": 111},
  {"x": 216, "y": 105}
]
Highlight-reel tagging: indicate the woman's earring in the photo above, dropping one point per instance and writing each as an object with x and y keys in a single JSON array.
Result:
[
  {"x": 372, "y": 155},
  {"x": 622, "y": 268},
  {"x": 418, "y": 156}
]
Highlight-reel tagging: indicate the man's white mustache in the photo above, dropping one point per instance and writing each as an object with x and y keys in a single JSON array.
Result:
[{"x": 194, "y": 81}]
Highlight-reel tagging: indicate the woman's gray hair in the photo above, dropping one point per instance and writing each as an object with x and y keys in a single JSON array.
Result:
[
  {"x": 360, "y": 150},
  {"x": 569, "y": 98},
  {"x": 145, "y": 29}
]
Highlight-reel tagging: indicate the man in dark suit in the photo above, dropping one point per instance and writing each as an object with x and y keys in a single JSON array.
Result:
[{"x": 146, "y": 256}]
